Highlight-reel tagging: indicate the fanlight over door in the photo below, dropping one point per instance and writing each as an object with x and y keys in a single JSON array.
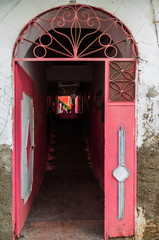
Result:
[{"x": 77, "y": 31}]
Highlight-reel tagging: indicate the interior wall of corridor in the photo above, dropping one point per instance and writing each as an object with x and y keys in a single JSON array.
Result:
[
  {"x": 141, "y": 17},
  {"x": 94, "y": 117}
]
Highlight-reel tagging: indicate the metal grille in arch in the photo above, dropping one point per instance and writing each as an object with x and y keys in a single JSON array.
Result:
[{"x": 75, "y": 31}]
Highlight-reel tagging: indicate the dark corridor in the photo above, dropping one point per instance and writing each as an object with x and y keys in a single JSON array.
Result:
[{"x": 70, "y": 202}]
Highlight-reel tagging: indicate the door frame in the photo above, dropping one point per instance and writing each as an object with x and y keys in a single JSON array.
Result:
[{"x": 106, "y": 126}]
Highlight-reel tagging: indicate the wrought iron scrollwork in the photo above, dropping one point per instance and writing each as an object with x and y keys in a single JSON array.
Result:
[{"x": 76, "y": 31}]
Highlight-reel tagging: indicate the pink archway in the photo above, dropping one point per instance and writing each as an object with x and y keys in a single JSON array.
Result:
[{"x": 85, "y": 33}]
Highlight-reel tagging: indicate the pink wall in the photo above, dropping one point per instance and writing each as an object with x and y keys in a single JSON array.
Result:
[
  {"x": 94, "y": 121},
  {"x": 96, "y": 138},
  {"x": 76, "y": 104},
  {"x": 23, "y": 83}
]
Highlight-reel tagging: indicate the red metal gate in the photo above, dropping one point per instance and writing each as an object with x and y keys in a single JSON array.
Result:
[{"x": 94, "y": 35}]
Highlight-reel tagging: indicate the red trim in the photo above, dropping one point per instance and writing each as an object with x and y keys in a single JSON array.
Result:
[
  {"x": 71, "y": 59},
  {"x": 106, "y": 180},
  {"x": 13, "y": 160}
]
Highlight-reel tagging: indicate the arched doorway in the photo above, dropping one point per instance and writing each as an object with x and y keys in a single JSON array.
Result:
[{"x": 79, "y": 35}]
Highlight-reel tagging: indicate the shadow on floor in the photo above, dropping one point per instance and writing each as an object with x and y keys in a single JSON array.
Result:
[{"x": 70, "y": 202}]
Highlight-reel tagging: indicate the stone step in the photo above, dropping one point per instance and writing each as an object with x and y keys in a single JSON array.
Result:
[{"x": 64, "y": 230}]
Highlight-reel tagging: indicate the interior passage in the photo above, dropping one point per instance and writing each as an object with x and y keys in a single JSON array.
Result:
[{"x": 70, "y": 202}]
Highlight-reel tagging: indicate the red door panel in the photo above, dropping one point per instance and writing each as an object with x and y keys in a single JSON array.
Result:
[
  {"x": 23, "y": 85},
  {"x": 30, "y": 144},
  {"x": 120, "y": 116},
  {"x": 120, "y": 113}
]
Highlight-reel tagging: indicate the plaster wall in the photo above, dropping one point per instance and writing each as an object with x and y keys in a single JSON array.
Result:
[
  {"x": 5, "y": 193},
  {"x": 141, "y": 17},
  {"x": 15, "y": 14}
]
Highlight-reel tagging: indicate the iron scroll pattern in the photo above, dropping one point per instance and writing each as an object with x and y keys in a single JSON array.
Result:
[
  {"x": 122, "y": 81},
  {"x": 64, "y": 27}
]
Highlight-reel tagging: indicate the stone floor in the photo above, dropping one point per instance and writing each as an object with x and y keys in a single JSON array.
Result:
[{"x": 70, "y": 202}]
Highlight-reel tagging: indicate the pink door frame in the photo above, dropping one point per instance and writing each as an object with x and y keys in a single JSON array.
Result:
[{"x": 107, "y": 179}]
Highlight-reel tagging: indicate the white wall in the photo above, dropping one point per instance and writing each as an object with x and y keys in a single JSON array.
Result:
[
  {"x": 37, "y": 72},
  {"x": 137, "y": 15}
]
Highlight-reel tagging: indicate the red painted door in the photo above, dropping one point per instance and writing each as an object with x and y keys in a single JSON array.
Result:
[
  {"x": 29, "y": 145},
  {"x": 120, "y": 154},
  {"x": 24, "y": 145}
]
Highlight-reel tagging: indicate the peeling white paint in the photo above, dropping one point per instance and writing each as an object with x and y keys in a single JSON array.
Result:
[
  {"x": 136, "y": 15},
  {"x": 140, "y": 223}
]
